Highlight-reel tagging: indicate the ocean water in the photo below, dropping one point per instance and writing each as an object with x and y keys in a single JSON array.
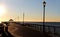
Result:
[{"x": 55, "y": 24}]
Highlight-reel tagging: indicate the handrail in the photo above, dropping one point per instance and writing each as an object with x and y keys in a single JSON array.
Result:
[{"x": 48, "y": 26}]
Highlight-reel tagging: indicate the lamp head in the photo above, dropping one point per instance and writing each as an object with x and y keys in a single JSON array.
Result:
[{"x": 44, "y": 3}]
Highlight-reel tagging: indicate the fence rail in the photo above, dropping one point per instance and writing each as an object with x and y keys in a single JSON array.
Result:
[{"x": 51, "y": 29}]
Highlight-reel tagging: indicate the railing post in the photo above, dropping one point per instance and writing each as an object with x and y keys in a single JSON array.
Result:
[
  {"x": 49, "y": 29},
  {"x": 40, "y": 28},
  {"x": 35, "y": 26},
  {"x": 54, "y": 30}
]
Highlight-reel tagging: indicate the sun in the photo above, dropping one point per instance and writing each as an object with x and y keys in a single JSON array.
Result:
[{"x": 2, "y": 10}]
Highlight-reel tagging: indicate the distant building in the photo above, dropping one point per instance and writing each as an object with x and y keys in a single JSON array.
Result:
[{"x": 11, "y": 20}]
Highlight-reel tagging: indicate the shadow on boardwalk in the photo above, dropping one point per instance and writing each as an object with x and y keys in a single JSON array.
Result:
[
  {"x": 27, "y": 32},
  {"x": 6, "y": 34}
]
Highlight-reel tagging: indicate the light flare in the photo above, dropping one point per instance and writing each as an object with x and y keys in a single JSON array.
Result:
[{"x": 2, "y": 10}]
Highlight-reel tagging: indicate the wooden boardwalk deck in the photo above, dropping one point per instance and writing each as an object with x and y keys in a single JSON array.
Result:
[{"x": 22, "y": 31}]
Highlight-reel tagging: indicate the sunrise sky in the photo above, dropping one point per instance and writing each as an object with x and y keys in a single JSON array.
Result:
[{"x": 33, "y": 10}]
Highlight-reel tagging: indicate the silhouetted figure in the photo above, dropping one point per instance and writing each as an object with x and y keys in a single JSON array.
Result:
[
  {"x": 4, "y": 30},
  {"x": 1, "y": 28}
]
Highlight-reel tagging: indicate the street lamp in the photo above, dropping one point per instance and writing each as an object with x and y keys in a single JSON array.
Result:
[
  {"x": 23, "y": 18},
  {"x": 44, "y": 3}
]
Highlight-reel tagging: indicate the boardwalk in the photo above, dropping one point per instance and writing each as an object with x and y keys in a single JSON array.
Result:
[{"x": 22, "y": 31}]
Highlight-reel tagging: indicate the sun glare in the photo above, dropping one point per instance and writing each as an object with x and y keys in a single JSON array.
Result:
[{"x": 2, "y": 10}]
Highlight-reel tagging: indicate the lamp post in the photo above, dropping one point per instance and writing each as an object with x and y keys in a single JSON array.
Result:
[
  {"x": 23, "y": 18},
  {"x": 44, "y": 3}
]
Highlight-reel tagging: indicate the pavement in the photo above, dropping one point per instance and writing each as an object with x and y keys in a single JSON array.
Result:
[{"x": 22, "y": 31}]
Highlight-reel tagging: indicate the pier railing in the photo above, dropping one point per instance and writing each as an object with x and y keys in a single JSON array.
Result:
[{"x": 48, "y": 28}]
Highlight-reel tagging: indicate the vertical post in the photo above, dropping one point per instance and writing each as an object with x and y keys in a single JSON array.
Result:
[
  {"x": 44, "y": 19},
  {"x": 54, "y": 30},
  {"x": 44, "y": 3},
  {"x": 23, "y": 18},
  {"x": 40, "y": 28},
  {"x": 18, "y": 16},
  {"x": 49, "y": 29}
]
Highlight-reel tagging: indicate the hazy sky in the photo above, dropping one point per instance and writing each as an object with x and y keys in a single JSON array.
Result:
[{"x": 33, "y": 10}]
